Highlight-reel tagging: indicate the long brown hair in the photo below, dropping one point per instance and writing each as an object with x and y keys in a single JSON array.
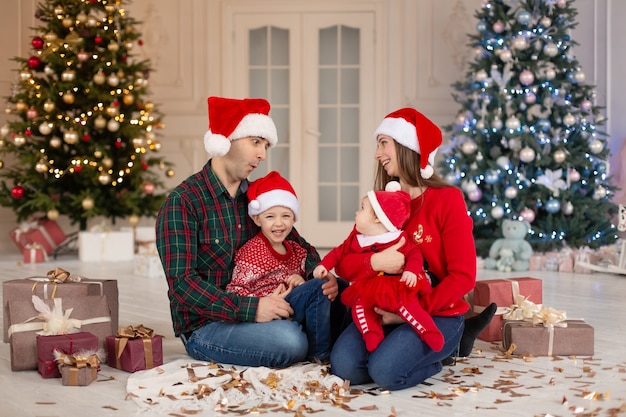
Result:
[{"x": 409, "y": 166}]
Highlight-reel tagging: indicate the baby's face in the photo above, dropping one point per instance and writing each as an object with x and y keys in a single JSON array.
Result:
[{"x": 365, "y": 220}]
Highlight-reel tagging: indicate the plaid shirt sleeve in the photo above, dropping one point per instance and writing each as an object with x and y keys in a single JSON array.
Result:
[{"x": 199, "y": 228}]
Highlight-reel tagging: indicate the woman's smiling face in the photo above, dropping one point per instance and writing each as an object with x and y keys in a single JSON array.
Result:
[{"x": 386, "y": 154}]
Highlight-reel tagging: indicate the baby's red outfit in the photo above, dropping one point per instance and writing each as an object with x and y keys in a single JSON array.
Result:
[{"x": 385, "y": 291}]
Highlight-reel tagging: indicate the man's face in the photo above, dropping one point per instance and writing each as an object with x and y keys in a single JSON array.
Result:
[{"x": 245, "y": 155}]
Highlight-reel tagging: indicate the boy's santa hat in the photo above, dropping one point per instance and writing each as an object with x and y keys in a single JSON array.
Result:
[
  {"x": 270, "y": 191},
  {"x": 392, "y": 206},
  {"x": 415, "y": 131},
  {"x": 231, "y": 119}
]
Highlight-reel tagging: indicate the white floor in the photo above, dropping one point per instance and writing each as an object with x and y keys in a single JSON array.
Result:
[{"x": 486, "y": 384}]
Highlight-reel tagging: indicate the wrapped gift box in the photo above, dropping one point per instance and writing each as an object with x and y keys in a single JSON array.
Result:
[
  {"x": 43, "y": 287},
  {"x": 45, "y": 232},
  {"x": 132, "y": 353},
  {"x": 148, "y": 266},
  {"x": 80, "y": 371},
  {"x": 576, "y": 338},
  {"x": 503, "y": 292},
  {"x": 65, "y": 343},
  {"x": 106, "y": 246},
  {"x": 34, "y": 253},
  {"x": 91, "y": 312}
]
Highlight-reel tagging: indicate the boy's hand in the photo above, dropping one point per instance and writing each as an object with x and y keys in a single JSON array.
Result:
[{"x": 294, "y": 280}]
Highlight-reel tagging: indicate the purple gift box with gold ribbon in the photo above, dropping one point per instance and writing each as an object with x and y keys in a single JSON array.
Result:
[
  {"x": 78, "y": 370},
  {"x": 134, "y": 348},
  {"x": 48, "y": 348}
]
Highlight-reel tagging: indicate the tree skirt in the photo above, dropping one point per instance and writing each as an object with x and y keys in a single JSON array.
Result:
[{"x": 188, "y": 387}]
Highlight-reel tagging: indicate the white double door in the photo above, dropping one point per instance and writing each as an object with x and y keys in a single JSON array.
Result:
[{"x": 319, "y": 72}]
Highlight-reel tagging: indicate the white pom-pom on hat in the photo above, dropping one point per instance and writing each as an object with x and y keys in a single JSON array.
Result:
[{"x": 393, "y": 186}]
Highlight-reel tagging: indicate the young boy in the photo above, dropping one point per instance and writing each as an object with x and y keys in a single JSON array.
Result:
[
  {"x": 268, "y": 264},
  {"x": 378, "y": 225}
]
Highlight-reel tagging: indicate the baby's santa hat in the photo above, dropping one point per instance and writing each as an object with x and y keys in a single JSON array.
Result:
[
  {"x": 231, "y": 119},
  {"x": 392, "y": 206},
  {"x": 415, "y": 131},
  {"x": 270, "y": 191}
]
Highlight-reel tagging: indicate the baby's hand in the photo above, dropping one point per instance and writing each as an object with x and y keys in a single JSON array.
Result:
[
  {"x": 409, "y": 278},
  {"x": 320, "y": 271}
]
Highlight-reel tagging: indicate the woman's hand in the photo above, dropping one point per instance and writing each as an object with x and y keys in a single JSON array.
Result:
[
  {"x": 389, "y": 260},
  {"x": 387, "y": 317}
]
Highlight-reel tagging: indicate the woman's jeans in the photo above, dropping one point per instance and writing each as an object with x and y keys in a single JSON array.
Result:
[
  {"x": 276, "y": 344},
  {"x": 402, "y": 360}
]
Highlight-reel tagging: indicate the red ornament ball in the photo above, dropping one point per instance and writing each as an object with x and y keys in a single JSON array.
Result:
[
  {"x": 86, "y": 137},
  {"x": 17, "y": 192},
  {"x": 140, "y": 42},
  {"x": 144, "y": 166},
  {"x": 98, "y": 40},
  {"x": 34, "y": 62},
  {"x": 37, "y": 42},
  {"x": 78, "y": 168},
  {"x": 118, "y": 143}
]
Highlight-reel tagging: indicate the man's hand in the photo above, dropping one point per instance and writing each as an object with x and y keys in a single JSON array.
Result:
[
  {"x": 330, "y": 288},
  {"x": 274, "y": 306},
  {"x": 389, "y": 260}
]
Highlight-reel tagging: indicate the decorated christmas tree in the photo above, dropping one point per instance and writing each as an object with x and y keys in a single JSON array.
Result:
[
  {"x": 525, "y": 144},
  {"x": 82, "y": 136}
]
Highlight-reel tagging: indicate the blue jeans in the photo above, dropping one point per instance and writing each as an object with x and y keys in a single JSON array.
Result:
[
  {"x": 402, "y": 360},
  {"x": 275, "y": 344}
]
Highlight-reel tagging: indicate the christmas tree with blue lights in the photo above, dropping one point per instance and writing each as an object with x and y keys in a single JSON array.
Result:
[{"x": 526, "y": 142}]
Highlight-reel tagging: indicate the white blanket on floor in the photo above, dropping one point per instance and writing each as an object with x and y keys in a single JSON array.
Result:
[{"x": 186, "y": 385}]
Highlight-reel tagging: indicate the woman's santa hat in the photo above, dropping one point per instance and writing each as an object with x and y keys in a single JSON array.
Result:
[
  {"x": 270, "y": 191},
  {"x": 231, "y": 119},
  {"x": 415, "y": 131},
  {"x": 392, "y": 206}
]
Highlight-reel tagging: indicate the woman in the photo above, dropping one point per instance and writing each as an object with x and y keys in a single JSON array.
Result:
[{"x": 407, "y": 142}]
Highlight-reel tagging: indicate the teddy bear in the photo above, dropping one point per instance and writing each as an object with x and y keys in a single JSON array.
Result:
[{"x": 511, "y": 252}]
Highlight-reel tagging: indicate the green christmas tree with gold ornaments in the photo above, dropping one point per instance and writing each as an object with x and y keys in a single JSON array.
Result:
[
  {"x": 525, "y": 144},
  {"x": 82, "y": 140}
]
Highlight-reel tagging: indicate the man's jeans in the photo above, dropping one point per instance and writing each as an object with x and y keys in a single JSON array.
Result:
[{"x": 278, "y": 343}]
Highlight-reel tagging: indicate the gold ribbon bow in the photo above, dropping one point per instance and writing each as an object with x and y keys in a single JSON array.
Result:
[
  {"x": 76, "y": 362},
  {"x": 124, "y": 334},
  {"x": 58, "y": 275},
  {"x": 72, "y": 40}
]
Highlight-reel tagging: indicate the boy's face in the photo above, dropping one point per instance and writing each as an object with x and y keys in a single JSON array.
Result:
[
  {"x": 365, "y": 219},
  {"x": 275, "y": 223}
]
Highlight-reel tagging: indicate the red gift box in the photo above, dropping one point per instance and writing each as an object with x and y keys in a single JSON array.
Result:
[
  {"x": 503, "y": 292},
  {"x": 45, "y": 232},
  {"x": 52, "y": 287},
  {"x": 34, "y": 253},
  {"x": 134, "y": 349},
  {"x": 64, "y": 343}
]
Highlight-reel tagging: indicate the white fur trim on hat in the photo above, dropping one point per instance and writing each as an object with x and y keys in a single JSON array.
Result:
[
  {"x": 402, "y": 131},
  {"x": 256, "y": 124},
  {"x": 273, "y": 198},
  {"x": 380, "y": 213}
]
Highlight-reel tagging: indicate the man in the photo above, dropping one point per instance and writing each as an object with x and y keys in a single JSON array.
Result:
[{"x": 200, "y": 227}]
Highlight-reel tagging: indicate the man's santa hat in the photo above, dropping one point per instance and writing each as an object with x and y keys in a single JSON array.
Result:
[
  {"x": 392, "y": 206},
  {"x": 231, "y": 119},
  {"x": 415, "y": 131},
  {"x": 270, "y": 191}
]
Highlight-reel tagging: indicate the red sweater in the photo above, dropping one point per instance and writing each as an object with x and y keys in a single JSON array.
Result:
[
  {"x": 442, "y": 229},
  {"x": 259, "y": 269}
]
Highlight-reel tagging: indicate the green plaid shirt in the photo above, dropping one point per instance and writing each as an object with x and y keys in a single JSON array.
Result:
[{"x": 199, "y": 228}]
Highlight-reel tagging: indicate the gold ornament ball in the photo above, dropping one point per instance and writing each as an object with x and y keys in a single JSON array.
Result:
[
  {"x": 41, "y": 166},
  {"x": 113, "y": 47},
  {"x": 596, "y": 146},
  {"x": 45, "y": 128},
  {"x": 68, "y": 97},
  {"x": 1, "y": 164},
  {"x": 68, "y": 22},
  {"x": 128, "y": 99},
  {"x": 100, "y": 122},
  {"x": 133, "y": 220},
  {"x": 68, "y": 75},
  {"x": 5, "y": 130},
  {"x": 88, "y": 203},
  {"x": 53, "y": 214},
  {"x": 55, "y": 142},
  {"x": 107, "y": 162},
  {"x": 49, "y": 106},
  {"x": 70, "y": 137},
  {"x": 99, "y": 78},
  {"x": 21, "y": 106},
  {"x": 19, "y": 140},
  {"x": 169, "y": 173},
  {"x": 559, "y": 156},
  {"x": 113, "y": 125},
  {"x": 104, "y": 178}
]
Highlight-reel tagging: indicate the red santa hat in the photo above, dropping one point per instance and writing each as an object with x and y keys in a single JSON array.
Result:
[
  {"x": 231, "y": 119},
  {"x": 415, "y": 131},
  {"x": 392, "y": 206},
  {"x": 270, "y": 191}
]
